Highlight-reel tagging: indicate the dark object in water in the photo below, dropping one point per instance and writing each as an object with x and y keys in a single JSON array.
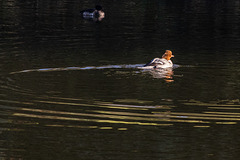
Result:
[{"x": 93, "y": 13}]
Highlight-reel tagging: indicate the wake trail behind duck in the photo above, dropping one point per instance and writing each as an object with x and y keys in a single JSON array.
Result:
[{"x": 78, "y": 68}]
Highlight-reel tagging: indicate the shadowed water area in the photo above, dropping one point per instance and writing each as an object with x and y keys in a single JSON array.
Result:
[{"x": 70, "y": 87}]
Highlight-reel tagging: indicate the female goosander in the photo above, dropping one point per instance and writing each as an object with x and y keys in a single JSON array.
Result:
[
  {"x": 93, "y": 13},
  {"x": 164, "y": 62}
]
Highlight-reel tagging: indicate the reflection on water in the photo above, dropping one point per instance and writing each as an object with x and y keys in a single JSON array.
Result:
[
  {"x": 119, "y": 112},
  {"x": 28, "y": 114},
  {"x": 70, "y": 88},
  {"x": 162, "y": 73}
]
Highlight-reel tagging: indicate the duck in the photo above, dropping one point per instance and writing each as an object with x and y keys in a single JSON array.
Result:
[
  {"x": 96, "y": 12},
  {"x": 164, "y": 62}
]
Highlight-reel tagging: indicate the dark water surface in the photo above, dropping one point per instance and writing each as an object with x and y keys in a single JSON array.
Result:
[{"x": 70, "y": 87}]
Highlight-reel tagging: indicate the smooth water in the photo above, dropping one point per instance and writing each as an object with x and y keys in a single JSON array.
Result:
[{"x": 70, "y": 87}]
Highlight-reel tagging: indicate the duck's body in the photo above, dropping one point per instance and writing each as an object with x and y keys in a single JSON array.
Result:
[
  {"x": 88, "y": 12},
  {"x": 159, "y": 63},
  {"x": 164, "y": 62}
]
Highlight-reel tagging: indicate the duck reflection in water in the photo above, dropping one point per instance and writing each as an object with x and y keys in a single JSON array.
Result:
[
  {"x": 161, "y": 73},
  {"x": 95, "y": 14}
]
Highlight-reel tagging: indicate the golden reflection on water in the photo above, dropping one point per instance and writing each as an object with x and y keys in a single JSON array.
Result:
[
  {"x": 102, "y": 105},
  {"x": 16, "y": 102},
  {"x": 105, "y": 127},
  {"x": 229, "y": 108},
  {"x": 122, "y": 129},
  {"x": 70, "y": 126},
  {"x": 64, "y": 98},
  {"x": 223, "y": 113},
  {"x": 232, "y": 103},
  {"x": 132, "y": 101},
  {"x": 84, "y": 127},
  {"x": 84, "y": 119},
  {"x": 123, "y": 112},
  {"x": 201, "y": 126},
  {"x": 226, "y": 122}
]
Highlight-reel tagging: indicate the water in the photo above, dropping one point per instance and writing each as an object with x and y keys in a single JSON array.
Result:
[{"x": 70, "y": 88}]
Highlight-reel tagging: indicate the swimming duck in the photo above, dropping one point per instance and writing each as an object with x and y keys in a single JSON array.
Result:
[
  {"x": 164, "y": 62},
  {"x": 93, "y": 13}
]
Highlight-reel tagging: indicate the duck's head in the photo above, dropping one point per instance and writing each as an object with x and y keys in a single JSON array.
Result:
[
  {"x": 167, "y": 55},
  {"x": 99, "y": 12}
]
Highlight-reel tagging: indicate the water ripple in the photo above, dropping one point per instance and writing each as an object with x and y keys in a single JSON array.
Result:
[{"x": 96, "y": 114}]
